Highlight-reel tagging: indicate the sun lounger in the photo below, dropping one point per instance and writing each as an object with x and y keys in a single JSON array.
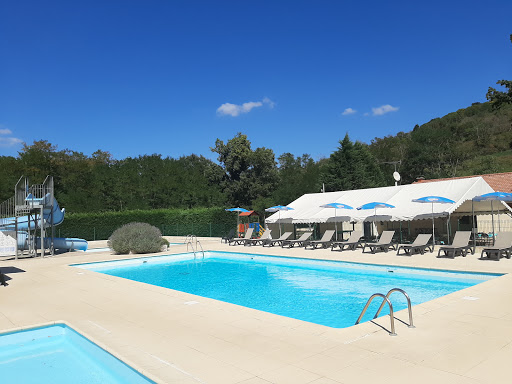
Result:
[
  {"x": 353, "y": 242},
  {"x": 384, "y": 244},
  {"x": 238, "y": 241},
  {"x": 460, "y": 245},
  {"x": 265, "y": 236},
  {"x": 502, "y": 247},
  {"x": 228, "y": 237},
  {"x": 272, "y": 242},
  {"x": 300, "y": 241},
  {"x": 420, "y": 244},
  {"x": 324, "y": 242}
]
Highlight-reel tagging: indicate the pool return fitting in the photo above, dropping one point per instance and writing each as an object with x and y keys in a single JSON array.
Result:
[{"x": 391, "y": 313}]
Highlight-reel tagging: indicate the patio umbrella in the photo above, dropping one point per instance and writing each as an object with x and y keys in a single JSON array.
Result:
[
  {"x": 237, "y": 209},
  {"x": 493, "y": 196},
  {"x": 432, "y": 200},
  {"x": 279, "y": 208},
  {"x": 336, "y": 206},
  {"x": 374, "y": 205}
]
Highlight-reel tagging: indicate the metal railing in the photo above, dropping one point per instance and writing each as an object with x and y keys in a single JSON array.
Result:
[
  {"x": 190, "y": 240},
  {"x": 391, "y": 313}
]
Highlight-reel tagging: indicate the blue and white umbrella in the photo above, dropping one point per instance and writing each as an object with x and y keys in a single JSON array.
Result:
[
  {"x": 336, "y": 206},
  {"x": 279, "y": 208},
  {"x": 433, "y": 200},
  {"x": 493, "y": 196},
  {"x": 374, "y": 205},
  {"x": 239, "y": 210}
]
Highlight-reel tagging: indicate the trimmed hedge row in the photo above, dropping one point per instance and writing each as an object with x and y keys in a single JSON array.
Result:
[{"x": 213, "y": 222}]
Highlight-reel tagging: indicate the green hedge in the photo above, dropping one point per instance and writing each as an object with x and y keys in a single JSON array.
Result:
[{"x": 213, "y": 222}]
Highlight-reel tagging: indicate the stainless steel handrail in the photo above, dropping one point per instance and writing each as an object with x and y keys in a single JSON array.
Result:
[
  {"x": 411, "y": 325},
  {"x": 391, "y": 315},
  {"x": 190, "y": 239}
]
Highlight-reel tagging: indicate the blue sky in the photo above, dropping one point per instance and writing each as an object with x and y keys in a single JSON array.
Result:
[{"x": 170, "y": 77}]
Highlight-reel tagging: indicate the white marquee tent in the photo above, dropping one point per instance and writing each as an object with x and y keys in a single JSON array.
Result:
[{"x": 306, "y": 209}]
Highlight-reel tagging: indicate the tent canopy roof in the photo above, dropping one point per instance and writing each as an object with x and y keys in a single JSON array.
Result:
[{"x": 306, "y": 209}]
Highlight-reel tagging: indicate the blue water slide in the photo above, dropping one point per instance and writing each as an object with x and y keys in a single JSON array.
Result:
[{"x": 58, "y": 218}]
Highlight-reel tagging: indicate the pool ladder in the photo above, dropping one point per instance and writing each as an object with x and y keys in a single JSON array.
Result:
[
  {"x": 190, "y": 240},
  {"x": 385, "y": 299}
]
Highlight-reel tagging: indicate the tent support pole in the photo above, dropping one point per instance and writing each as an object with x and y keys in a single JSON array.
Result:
[
  {"x": 473, "y": 232},
  {"x": 433, "y": 229},
  {"x": 448, "y": 228},
  {"x": 336, "y": 225},
  {"x": 492, "y": 220}
]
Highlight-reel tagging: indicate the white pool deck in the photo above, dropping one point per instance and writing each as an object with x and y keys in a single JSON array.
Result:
[{"x": 175, "y": 337}]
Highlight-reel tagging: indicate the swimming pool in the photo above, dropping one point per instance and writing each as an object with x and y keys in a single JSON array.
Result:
[
  {"x": 324, "y": 292},
  {"x": 57, "y": 354}
]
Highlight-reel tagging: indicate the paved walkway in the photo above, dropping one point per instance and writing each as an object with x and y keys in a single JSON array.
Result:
[{"x": 464, "y": 337}]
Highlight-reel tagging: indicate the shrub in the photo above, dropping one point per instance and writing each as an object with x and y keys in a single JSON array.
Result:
[{"x": 136, "y": 238}]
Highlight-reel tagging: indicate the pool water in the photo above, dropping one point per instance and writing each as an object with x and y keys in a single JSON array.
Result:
[
  {"x": 57, "y": 354},
  {"x": 322, "y": 292}
]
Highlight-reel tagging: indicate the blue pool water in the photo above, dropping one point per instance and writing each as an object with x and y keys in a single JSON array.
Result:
[
  {"x": 57, "y": 354},
  {"x": 322, "y": 292}
]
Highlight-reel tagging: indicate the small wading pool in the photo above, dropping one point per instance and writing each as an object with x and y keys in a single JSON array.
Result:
[
  {"x": 329, "y": 293},
  {"x": 57, "y": 354}
]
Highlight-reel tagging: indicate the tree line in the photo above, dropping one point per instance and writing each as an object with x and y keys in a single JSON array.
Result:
[{"x": 474, "y": 140}]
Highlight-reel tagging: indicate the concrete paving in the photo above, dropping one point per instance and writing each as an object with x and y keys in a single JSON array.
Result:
[{"x": 464, "y": 337}]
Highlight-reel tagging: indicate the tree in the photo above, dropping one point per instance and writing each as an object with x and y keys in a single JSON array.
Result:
[
  {"x": 248, "y": 175},
  {"x": 352, "y": 166},
  {"x": 297, "y": 176},
  {"x": 499, "y": 98}
]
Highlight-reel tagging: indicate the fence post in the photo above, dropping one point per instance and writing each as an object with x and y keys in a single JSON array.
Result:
[
  {"x": 192, "y": 232},
  {"x": 94, "y": 233},
  {"x": 177, "y": 231}
]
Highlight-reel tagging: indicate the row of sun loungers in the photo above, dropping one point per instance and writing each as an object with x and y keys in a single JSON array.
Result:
[{"x": 460, "y": 246}]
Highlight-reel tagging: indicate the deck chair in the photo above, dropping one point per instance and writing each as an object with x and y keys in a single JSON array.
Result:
[
  {"x": 324, "y": 242},
  {"x": 272, "y": 242},
  {"x": 228, "y": 237},
  {"x": 300, "y": 241},
  {"x": 352, "y": 243},
  {"x": 460, "y": 245},
  {"x": 265, "y": 236},
  {"x": 384, "y": 243},
  {"x": 420, "y": 244},
  {"x": 502, "y": 247},
  {"x": 238, "y": 241}
]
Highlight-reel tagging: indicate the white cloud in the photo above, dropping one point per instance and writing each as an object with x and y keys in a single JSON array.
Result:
[
  {"x": 383, "y": 109},
  {"x": 366, "y": 114},
  {"x": 235, "y": 109},
  {"x": 348, "y": 111},
  {"x": 9, "y": 141},
  {"x": 5, "y": 131}
]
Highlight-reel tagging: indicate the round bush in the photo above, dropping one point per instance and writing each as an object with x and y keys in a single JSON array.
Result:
[{"x": 136, "y": 238}]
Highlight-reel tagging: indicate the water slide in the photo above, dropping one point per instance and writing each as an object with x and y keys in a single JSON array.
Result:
[{"x": 25, "y": 223}]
